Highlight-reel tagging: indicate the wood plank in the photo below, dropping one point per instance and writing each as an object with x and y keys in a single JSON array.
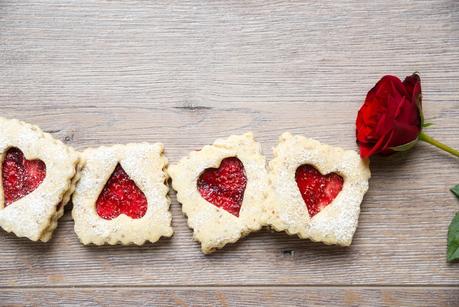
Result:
[
  {"x": 183, "y": 130},
  {"x": 251, "y": 296},
  {"x": 188, "y": 72},
  {"x": 201, "y": 53},
  {"x": 401, "y": 238},
  {"x": 385, "y": 252}
]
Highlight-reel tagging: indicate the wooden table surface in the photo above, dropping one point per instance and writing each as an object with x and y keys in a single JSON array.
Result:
[{"x": 186, "y": 72}]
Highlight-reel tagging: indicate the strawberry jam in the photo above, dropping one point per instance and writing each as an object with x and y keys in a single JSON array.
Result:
[
  {"x": 224, "y": 186},
  {"x": 121, "y": 196},
  {"x": 20, "y": 176},
  {"x": 317, "y": 190}
]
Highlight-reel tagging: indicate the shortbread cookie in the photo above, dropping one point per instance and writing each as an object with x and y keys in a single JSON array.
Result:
[
  {"x": 316, "y": 190},
  {"x": 122, "y": 195},
  {"x": 38, "y": 175},
  {"x": 222, "y": 189}
]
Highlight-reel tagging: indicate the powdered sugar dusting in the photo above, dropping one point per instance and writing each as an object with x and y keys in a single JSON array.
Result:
[
  {"x": 337, "y": 222},
  {"x": 144, "y": 163},
  {"x": 215, "y": 227},
  {"x": 35, "y": 215}
]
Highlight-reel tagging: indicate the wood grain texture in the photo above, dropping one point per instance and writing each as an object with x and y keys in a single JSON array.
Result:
[
  {"x": 249, "y": 296},
  {"x": 187, "y": 72}
]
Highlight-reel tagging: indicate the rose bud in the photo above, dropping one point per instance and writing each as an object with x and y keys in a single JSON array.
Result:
[{"x": 391, "y": 117}]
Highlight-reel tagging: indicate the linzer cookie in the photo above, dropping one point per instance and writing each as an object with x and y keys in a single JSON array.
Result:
[
  {"x": 38, "y": 175},
  {"x": 316, "y": 190},
  {"x": 122, "y": 195},
  {"x": 222, "y": 189}
]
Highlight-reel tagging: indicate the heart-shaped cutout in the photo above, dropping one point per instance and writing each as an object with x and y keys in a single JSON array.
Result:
[
  {"x": 20, "y": 176},
  {"x": 317, "y": 190},
  {"x": 224, "y": 186},
  {"x": 121, "y": 196}
]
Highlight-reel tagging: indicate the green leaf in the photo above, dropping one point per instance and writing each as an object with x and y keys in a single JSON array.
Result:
[
  {"x": 453, "y": 239},
  {"x": 455, "y": 190},
  {"x": 426, "y": 125},
  {"x": 406, "y": 146}
]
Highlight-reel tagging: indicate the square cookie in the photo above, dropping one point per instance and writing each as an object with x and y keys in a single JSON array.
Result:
[
  {"x": 222, "y": 189},
  {"x": 316, "y": 190},
  {"x": 38, "y": 175},
  {"x": 121, "y": 197}
]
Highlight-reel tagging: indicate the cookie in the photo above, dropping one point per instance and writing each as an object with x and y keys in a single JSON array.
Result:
[
  {"x": 222, "y": 189},
  {"x": 316, "y": 190},
  {"x": 121, "y": 197}
]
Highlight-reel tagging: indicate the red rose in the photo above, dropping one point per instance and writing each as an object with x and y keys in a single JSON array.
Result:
[
  {"x": 390, "y": 117},
  {"x": 391, "y": 120}
]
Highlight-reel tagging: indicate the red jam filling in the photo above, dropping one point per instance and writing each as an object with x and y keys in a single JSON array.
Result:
[
  {"x": 224, "y": 186},
  {"x": 317, "y": 190},
  {"x": 20, "y": 176},
  {"x": 121, "y": 196}
]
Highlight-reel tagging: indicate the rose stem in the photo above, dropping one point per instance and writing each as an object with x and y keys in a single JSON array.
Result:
[{"x": 428, "y": 139}]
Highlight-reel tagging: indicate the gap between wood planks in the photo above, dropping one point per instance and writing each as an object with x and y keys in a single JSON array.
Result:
[{"x": 188, "y": 287}]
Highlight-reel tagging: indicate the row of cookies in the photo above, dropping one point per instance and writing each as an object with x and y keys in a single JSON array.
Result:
[{"x": 227, "y": 190}]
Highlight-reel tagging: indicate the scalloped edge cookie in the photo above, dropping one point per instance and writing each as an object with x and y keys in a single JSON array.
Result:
[
  {"x": 145, "y": 165},
  {"x": 36, "y": 215},
  {"x": 337, "y": 222},
  {"x": 215, "y": 227}
]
